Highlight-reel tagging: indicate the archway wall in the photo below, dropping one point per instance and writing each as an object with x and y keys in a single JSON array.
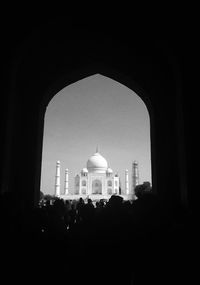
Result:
[{"x": 49, "y": 61}]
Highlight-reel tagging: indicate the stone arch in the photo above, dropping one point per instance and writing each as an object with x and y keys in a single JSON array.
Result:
[
  {"x": 146, "y": 69},
  {"x": 62, "y": 82},
  {"x": 109, "y": 191},
  {"x": 96, "y": 186}
]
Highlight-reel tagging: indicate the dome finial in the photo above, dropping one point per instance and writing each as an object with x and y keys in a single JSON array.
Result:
[{"x": 97, "y": 148}]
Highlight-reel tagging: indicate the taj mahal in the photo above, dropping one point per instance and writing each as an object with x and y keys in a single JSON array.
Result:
[{"x": 96, "y": 181}]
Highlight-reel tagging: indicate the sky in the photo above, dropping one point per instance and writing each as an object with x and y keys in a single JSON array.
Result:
[{"x": 95, "y": 111}]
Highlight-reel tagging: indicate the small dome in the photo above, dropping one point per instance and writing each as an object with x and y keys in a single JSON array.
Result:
[
  {"x": 84, "y": 170},
  {"x": 109, "y": 170},
  {"x": 97, "y": 163}
]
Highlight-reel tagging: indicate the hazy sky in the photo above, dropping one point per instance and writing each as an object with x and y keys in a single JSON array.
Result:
[{"x": 95, "y": 111}]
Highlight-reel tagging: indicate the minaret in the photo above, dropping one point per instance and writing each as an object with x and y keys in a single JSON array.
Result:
[
  {"x": 57, "y": 179},
  {"x": 135, "y": 176},
  {"x": 66, "y": 186},
  {"x": 126, "y": 182},
  {"x": 120, "y": 187}
]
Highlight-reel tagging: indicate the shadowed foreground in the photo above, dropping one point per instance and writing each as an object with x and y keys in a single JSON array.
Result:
[{"x": 118, "y": 242}]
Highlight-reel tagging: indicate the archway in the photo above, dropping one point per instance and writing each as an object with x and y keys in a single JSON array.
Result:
[
  {"x": 144, "y": 68},
  {"x": 96, "y": 186},
  {"x": 117, "y": 118}
]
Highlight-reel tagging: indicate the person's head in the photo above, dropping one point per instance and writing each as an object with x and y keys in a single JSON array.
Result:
[
  {"x": 81, "y": 201},
  {"x": 115, "y": 201}
]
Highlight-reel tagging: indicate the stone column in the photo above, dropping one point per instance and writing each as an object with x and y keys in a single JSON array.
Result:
[
  {"x": 57, "y": 179},
  {"x": 135, "y": 176},
  {"x": 66, "y": 185},
  {"x": 126, "y": 182}
]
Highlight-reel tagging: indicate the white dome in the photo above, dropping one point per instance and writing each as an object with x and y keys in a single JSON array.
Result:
[
  {"x": 84, "y": 170},
  {"x": 97, "y": 163},
  {"x": 109, "y": 170}
]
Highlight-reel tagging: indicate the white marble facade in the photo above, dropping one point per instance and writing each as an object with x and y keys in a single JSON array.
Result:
[
  {"x": 97, "y": 178},
  {"x": 96, "y": 181}
]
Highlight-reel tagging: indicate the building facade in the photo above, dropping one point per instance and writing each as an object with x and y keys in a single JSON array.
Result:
[
  {"x": 96, "y": 181},
  {"x": 97, "y": 178}
]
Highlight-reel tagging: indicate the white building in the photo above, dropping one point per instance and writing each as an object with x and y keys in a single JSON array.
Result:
[
  {"x": 96, "y": 181},
  {"x": 97, "y": 178}
]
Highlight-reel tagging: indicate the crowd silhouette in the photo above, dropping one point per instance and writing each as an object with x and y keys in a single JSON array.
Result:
[{"x": 114, "y": 241}]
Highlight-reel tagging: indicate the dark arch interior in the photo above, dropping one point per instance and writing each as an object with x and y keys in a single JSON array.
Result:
[
  {"x": 44, "y": 59},
  {"x": 41, "y": 70}
]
